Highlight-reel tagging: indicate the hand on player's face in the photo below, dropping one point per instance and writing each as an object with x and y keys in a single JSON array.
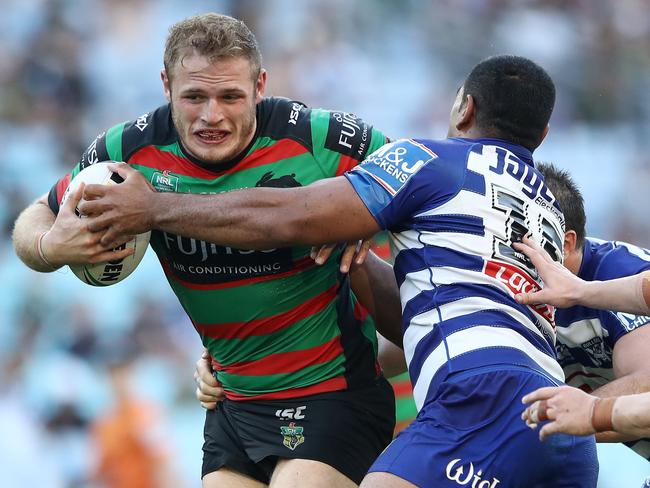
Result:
[
  {"x": 355, "y": 254},
  {"x": 119, "y": 211},
  {"x": 564, "y": 409},
  {"x": 208, "y": 390},
  {"x": 560, "y": 285},
  {"x": 70, "y": 241}
]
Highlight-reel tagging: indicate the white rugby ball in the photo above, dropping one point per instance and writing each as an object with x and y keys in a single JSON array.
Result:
[{"x": 111, "y": 272}]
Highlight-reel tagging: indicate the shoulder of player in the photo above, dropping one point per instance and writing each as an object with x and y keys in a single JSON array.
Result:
[
  {"x": 282, "y": 118},
  {"x": 412, "y": 155},
  {"x": 616, "y": 259},
  {"x": 122, "y": 140},
  {"x": 151, "y": 128},
  {"x": 317, "y": 128},
  {"x": 413, "y": 163}
]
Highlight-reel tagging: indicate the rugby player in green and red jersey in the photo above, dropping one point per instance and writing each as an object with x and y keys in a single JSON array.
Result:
[{"x": 306, "y": 403}]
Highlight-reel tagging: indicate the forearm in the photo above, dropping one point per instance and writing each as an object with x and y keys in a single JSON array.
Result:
[
  {"x": 391, "y": 357},
  {"x": 630, "y": 294},
  {"x": 631, "y": 415},
  {"x": 30, "y": 224},
  {"x": 374, "y": 285},
  {"x": 226, "y": 219},
  {"x": 258, "y": 218},
  {"x": 626, "y": 385}
]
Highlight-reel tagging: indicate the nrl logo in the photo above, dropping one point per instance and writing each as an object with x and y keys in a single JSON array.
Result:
[
  {"x": 164, "y": 181},
  {"x": 292, "y": 435}
]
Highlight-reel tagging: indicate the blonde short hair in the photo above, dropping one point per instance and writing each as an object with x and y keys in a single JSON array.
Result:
[{"x": 214, "y": 36}]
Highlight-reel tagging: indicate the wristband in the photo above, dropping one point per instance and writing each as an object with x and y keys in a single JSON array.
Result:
[
  {"x": 601, "y": 415},
  {"x": 41, "y": 254}
]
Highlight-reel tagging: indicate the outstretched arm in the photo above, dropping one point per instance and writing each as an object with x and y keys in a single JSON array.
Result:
[
  {"x": 563, "y": 289},
  {"x": 324, "y": 212},
  {"x": 631, "y": 370}
]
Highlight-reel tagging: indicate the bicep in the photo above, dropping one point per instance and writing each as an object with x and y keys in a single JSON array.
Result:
[
  {"x": 631, "y": 352},
  {"x": 330, "y": 211}
]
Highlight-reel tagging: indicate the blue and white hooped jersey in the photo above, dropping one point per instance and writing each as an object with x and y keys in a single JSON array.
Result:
[
  {"x": 586, "y": 336},
  {"x": 453, "y": 208}
]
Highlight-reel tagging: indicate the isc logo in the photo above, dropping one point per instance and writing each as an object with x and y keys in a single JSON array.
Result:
[{"x": 291, "y": 413}]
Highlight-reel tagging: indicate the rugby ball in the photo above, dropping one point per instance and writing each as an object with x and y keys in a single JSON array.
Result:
[{"x": 111, "y": 272}]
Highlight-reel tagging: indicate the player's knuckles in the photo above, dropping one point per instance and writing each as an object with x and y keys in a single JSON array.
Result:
[
  {"x": 204, "y": 372},
  {"x": 213, "y": 391}
]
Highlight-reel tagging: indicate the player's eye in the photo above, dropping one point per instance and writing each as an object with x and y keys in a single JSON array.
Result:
[{"x": 231, "y": 97}]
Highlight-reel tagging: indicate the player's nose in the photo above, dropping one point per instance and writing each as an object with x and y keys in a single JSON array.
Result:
[{"x": 212, "y": 112}]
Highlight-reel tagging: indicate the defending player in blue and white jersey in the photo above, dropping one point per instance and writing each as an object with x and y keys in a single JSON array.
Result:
[
  {"x": 602, "y": 352},
  {"x": 453, "y": 208}
]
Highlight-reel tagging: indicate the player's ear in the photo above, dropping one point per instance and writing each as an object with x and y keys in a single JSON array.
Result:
[
  {"x": 541, "y": 139},
  {"x": 570, "y": 241},
  {"x": 467, "y": 113},
  {"x": 167, "y": 90},
  {"x": 260, "y": 85}
]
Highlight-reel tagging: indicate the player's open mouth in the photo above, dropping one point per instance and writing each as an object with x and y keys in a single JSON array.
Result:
[{"x": 211, "y": 136}]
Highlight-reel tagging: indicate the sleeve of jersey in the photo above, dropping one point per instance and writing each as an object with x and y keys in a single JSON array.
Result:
[
  {"x": 106, "y": 146},
  {"x": 342, "y": 140},
  {"x": 625, "y": 260},
  {"x": 393, "y": 182}
]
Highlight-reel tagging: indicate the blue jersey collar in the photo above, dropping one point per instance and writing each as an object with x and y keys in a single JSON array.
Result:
[{"x": 520, "y": 151}]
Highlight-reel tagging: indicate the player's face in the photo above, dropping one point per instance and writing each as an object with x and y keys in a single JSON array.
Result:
[{"x": 213, "y": 105}]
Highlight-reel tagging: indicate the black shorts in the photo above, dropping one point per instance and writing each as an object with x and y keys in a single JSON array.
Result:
[{"x": 345, "y": 429}]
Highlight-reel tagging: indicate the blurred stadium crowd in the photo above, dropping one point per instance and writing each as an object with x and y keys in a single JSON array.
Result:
[{"x": 71, "y": 68}]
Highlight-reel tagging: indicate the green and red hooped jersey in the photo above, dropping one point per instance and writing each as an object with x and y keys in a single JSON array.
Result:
[{"x": 276, "y": 325}]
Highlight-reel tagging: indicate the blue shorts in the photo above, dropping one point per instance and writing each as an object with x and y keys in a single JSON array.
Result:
[{"x": 471, "y": 434}]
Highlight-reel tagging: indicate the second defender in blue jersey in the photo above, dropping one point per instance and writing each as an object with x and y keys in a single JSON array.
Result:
[{"x": 602, "y": 352}]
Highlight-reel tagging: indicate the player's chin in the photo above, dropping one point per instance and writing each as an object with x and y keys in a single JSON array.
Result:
[{"x": 215, "y": 155}]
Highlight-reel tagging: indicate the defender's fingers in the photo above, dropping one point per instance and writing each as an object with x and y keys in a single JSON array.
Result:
[
  {"x": 98, "y": 223},
  {"x": 534, "y": 413},
  {"x": 549, "y": 429},
  {"x": 543, "y": 393},
  {"x": 532, "y": 298},
  {"x": 348, "y": 256},
  {"x": 95, "y": 190},
  {"x": 362, "y": 254},
  {"x": 122, "y": 169},
  {"x": 111, "y": 235},
  {"x": 314, "y": 252},
  {"x": 93, "y": 207},
  {"x": 324, "y": 253},
  {"x": 533, "y": 251}
]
